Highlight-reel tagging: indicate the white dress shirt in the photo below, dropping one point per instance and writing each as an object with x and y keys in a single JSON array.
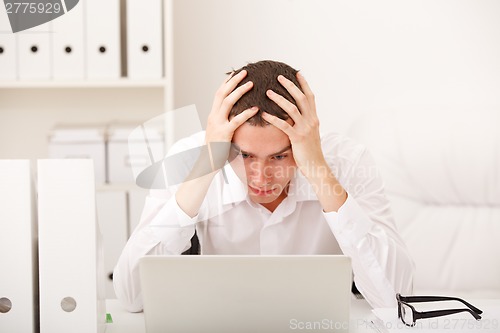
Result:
[{"x": 229, "y": 223}]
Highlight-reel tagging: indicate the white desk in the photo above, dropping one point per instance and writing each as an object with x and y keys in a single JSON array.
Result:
[
  {"x": 126, "y": 322},
  {"x": 361, "y": 316}
]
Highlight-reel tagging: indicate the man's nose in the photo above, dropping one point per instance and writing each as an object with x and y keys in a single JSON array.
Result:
[{"x": 260, "y": 173}]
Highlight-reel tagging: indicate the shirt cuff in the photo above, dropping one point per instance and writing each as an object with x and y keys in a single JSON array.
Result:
[
  {"x": 350, "y": 224},
  {"x": 172, "y": 222},
  {"x": 183, "y": 218}
]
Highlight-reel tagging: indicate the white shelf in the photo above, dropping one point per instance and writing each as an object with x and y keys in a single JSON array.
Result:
[{"x": 119, "y": 83}]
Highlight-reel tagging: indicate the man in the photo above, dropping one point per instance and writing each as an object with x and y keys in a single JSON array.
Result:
[{"x": 286, "y": 190}]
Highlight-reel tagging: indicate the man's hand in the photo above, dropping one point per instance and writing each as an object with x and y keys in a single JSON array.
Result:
[
  {"x": 306, "y": 143},
  {"x": 219, "y": 127},
  {"x": 304, "y": 133}
]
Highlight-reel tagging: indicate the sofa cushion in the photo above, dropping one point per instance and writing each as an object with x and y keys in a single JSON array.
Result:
[{"x": 441, "y": 168}]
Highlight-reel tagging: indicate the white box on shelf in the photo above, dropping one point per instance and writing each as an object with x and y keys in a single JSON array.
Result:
[
  {"x": 18, "y": 280},
  {"x": 81, "y": 141},
  {"x": 35, "y": 53},
  {"x": 102, "y": 26},
  {"x": 68, "y": 50},
  {"x": 128, "y": 152},
  {"x": 113, "y": 221},
  {"x": 8, "y": 49},
  {"x": 71, "y": 262},
  {"x": 144, "y": 39}
]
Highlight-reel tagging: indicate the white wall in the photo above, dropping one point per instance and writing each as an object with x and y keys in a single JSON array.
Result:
[{"x": 358, "y": 56}]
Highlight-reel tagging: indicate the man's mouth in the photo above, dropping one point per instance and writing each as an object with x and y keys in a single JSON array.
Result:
[{"x": 260, "y": 191}]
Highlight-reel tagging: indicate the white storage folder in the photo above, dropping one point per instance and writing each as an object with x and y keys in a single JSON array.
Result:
[
  {"x": 112, "y": 217},
  {"x": 81, "y": 141},
  {"x": 18, "y": 279},
  {"x": 144, "y": 39},
  {"x": 8, "y": 49},
  {"x": 68, "y": 44},
  {"x": 102, "y": 25},
  {"x": 132, "y": 147},
  {"x": 71, "y": 267},
  {"x": 35, "y": 52}
]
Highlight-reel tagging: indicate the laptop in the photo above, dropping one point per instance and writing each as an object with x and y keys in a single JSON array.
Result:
[{"x": 240, "y": 294}]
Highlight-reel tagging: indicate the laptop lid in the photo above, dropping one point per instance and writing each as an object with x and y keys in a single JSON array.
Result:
[{"x": 246, "y": 293}]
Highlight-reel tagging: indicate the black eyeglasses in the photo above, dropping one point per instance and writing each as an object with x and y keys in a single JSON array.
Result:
[{"x": 409, "y": 315}]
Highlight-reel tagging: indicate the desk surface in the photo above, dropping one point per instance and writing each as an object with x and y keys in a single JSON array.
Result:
[
  {"x": 361, "y": 317},
  {"x": 126, "y": 322}
]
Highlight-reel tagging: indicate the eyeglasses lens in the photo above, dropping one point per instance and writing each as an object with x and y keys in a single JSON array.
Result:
[{"x": 406, "y": 314}]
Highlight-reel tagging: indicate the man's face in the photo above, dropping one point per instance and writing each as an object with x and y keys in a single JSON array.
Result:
[{"x": 268, "y": 163}]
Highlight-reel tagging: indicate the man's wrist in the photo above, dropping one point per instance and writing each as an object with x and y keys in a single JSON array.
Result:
[{"x": 328, "y": 189}]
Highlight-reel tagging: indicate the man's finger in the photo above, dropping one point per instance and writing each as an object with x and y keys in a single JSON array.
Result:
[
  {"x": 305, "y": 86},
  {"x": 278, "y": 123},
  {"x": 229, "y": 101},
  {"x": 227, "y": 87},
  {"x": 233, "y": 81},
  {"x": 241, "y": 118},
  {"x": 296, "y": 93},
  {"x": 285, "y": 104},
  {"x": 229, "y": 76}
]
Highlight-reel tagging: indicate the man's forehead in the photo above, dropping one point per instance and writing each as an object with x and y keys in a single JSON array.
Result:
[
  {"x": 267, "y": 151},
  {"x": 260, "y": 139}
]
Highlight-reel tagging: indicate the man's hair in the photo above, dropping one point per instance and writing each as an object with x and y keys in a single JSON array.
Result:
[{"x": 264, "y": 75}]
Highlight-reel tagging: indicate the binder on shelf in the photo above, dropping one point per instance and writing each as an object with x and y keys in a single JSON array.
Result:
[
  {"x": 71, "y": 267},
  {"x": 112, "y": 217},
  {"x": 144, "y": 39},
  {"x": 128, "y": 151},
  {"x": 68, "y": 44},
  {"x": 80, "y": 141},
  {"x": 34, "y": 49},
  {"x": 102, "y": 25},
  {"x": 18, "y": 280},
  {"x": 8, "y": 49}
]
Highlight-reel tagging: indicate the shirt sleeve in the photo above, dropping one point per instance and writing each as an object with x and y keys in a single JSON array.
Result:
[
  {"x": 366, "y": 232},
  {"x": 164, "y": 229}
]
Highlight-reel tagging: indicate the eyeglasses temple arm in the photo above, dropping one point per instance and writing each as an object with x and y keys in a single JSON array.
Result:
[
  {"x": 419, "y": 299},
  {"x": 439, "y": 313}
]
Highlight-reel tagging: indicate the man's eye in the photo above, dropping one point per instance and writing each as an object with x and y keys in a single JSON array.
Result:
[
  {"x": 279, "y": 157},
  {"x": 244, "y": 155}
]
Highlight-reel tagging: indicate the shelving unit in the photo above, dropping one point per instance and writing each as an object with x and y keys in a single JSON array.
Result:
[{"x": 29, "y": 110}]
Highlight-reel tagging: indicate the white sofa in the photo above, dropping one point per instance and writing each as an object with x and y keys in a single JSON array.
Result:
[{"x": 441, "y": 168}]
